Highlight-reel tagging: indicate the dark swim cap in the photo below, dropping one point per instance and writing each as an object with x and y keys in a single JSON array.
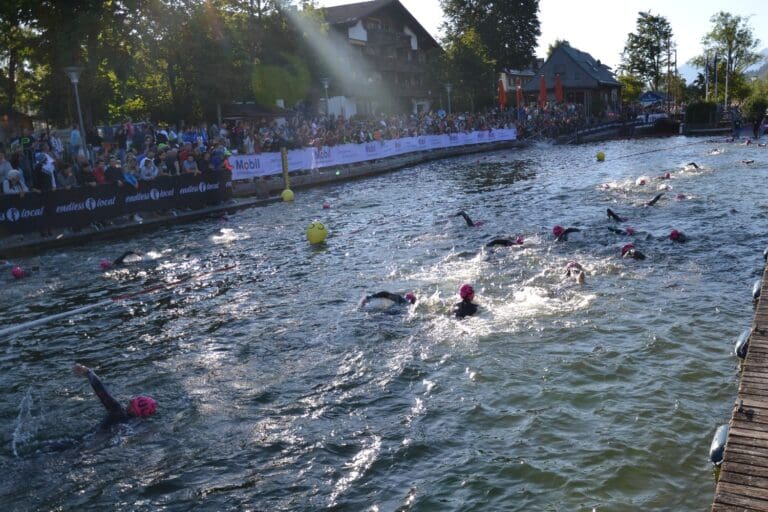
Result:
[
  {"x": 466, "y": 292},
  {"x": 142, "y": 406}
]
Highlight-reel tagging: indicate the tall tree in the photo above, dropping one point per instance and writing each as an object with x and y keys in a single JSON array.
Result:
[
  {"x": 647, "y": 51},
  {"x": 507, "y": 28},
  {"x": 731, "y": 37},
  {"x": 558, "y": 43},
  {"x": 468, "y": 66}
]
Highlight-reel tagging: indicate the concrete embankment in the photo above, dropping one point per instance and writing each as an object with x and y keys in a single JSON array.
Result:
[{"x": 245, "y": 195}]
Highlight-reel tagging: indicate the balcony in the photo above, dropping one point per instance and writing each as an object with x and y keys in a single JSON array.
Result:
[{"x": 380, "y": 37}]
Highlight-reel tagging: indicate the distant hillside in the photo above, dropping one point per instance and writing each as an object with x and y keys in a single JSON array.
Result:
[{"x": 760, "y": 69}]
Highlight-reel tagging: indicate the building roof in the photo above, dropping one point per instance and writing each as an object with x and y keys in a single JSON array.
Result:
[
  {"x": 590, "y": 66},
  {"x": 349, "y": 14},
  {"x": 564, "y": 55}
]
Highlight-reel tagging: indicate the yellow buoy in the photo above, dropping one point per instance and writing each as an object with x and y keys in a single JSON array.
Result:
[
  {"x": 287, "y": 195},
  {"x": 600, "y": 156},
  {"x": 316, "y": 232}
]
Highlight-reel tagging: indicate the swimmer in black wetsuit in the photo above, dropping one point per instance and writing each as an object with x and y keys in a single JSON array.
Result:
[
  {"x": 677, "y": 236},
  {"x": 385, "y": 300},
  {"x": 692, "y": 164},
  {"x": 629, "y": 251},
  {"x": 653, "y": 201},
  {"x": 105, "y": 264},
  {"x": 466, "y": 307},
  {"x": 141, "y": 406},
  {"x": 628, "y": 231},
  {"x": 561, "y": 234},
  {"x": 469, "y": 221},
  {"x": 505, "y": 242},
  {"x": 612, "y": 215}
]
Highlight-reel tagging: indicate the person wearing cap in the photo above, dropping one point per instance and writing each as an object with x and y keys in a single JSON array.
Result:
[
  {"x": 13, "y": 183},
  {"x": 629, "y": 251},
  {"x": 141, "y": 406},
  {"x": 561, "y": 234},
  {"x": 677, "y": 236},
  {"x": 386, "y": 300},
  {"x": 576, "y": 271},
  {"x": 466, "y": 307}
]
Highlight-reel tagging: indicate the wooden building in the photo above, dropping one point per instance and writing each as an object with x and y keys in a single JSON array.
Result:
[
  {"x": 585, "y": 81},
  {"x": 387, "y": 64}
]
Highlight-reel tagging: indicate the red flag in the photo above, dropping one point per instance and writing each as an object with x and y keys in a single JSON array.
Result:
[
  {"x": 542, "y": 92},
  {"x": 558, "y": 89},
  {"x": 502, "y": 95},
  {"x": 520, "y": 99}
]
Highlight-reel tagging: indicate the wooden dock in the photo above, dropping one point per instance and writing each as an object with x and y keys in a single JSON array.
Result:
[{"x": 743, "y": 483}]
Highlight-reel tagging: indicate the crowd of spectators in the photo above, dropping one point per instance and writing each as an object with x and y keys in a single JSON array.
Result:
[{"x": 129, "y": 153}]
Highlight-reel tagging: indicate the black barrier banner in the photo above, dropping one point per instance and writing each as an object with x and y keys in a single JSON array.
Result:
[
  {"x": 22, "y": 214},
  {"x": 158, "y": 194},
  {"x": 195, "y": 192},
  {"x": 81, "y": 206}
]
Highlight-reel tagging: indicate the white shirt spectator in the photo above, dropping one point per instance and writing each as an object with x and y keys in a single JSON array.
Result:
[
  {"x": 13, "y": 183},
  {"x": 148, "y": 170}
]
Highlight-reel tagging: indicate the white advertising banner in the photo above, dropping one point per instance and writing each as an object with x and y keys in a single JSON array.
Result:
[{"x": 245, "y": 167}]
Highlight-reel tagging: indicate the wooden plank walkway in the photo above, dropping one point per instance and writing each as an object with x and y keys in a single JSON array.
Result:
[{"x": 743, "y": 483}]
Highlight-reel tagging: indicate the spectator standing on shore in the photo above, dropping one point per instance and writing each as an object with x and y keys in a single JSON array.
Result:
[
  {"x": 65, "y": 178},
  {"x": 107, "y": 138},
  {"x": 190, "y": 166},
  {"x": 128, "y": 131},
  {"x": 114, "y": 173},
  {"x": 148, "y": 171},
  {"x": 86, "y": 175},
  {"x": 5, "y": 166},
  {"x": 13, "y": 184},
  {"x": 56, "y": 146},
  {"x": 75, "y": 141},
  {"x": 43, "y": 177}
]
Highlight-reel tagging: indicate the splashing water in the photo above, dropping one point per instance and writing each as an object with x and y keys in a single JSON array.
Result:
[{"x": 25, "y": 429}]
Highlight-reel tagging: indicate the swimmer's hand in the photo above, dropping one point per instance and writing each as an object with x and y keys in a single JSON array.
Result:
[{"x": 81, "y": 370}]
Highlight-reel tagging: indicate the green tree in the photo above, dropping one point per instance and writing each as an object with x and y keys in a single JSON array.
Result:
[
  {"x": 507, "y": 28},
  {"x": 732, "y": 39},
  {"x": 631, "y": 87},
  {"x": 558, "y": 42},
  {"x": 647, "y": 51},
  {"x": 467, "y": 64}
]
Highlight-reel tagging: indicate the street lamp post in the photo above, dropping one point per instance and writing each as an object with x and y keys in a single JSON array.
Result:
[
  {"x": 74, "y": 76},
  {"x": 448, "y": 89},
  {"x": 326, "y": 82}
]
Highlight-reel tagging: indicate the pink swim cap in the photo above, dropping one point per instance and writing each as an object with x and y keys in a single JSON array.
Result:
[
  {"x": 630, "y": 230},
  {"x": 466, "y": 292},
  {"x": 674, "y": 235},
  {"x": 142, "y": 406},
  {"x": 627, "y": 248},
  {"x": 105, "y": 264},
  {"x": 573, "y": 264},
  {"x": 410, "y": 298},
  {"x": 326, "y": 206},
  {"x": 557, "y": 230},
  {"x": 17, "y": 272},
  {"x": 519, "y": 240},
  {"x": 667, "y": 175}
]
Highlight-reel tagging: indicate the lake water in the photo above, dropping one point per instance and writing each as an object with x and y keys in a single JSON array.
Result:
[{"x": 277, "y": 392}]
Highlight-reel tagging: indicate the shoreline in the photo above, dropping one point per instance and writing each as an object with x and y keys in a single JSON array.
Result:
[{"x": 246, "y": 194}]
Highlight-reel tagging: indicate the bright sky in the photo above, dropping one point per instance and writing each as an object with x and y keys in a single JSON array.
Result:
[{"x": 600, "y": 27}]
